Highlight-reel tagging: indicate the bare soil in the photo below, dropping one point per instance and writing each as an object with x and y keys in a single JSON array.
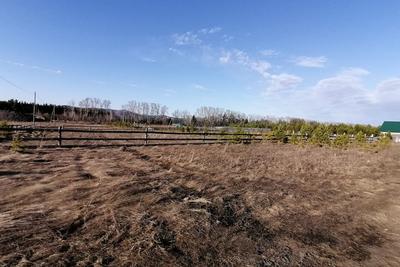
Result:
[{"x": 207, "y": 205}]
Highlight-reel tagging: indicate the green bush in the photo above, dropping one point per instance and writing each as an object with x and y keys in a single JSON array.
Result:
[
  {"x": 320, "y": 136},
  {"x": 295, "y": 139},
  {"x": 342, "y": 140},
  {"x": 279, "y": 134},
  {"x": 385, "y": 139},
  {"x": 4, "y": 134},
  {"x": 237, "y": 135},
  {"x": 360, "y": 138},
  {"x": 16, "y": 144}
]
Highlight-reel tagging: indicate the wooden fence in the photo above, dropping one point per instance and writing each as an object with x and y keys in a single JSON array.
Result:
[{"x": 71, "y": 137}]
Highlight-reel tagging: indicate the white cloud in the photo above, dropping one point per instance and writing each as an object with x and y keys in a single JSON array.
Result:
[
  {"x": 99, "y": 82},
  {"x": 241, "y": 58},
  {"x": 169, "y": 92},
  {"x": 275, "y": 82},
  {"x": 133, "y": 85},
  {"x": 227, "y": 38},
  {"x": 344, "y": 88},
  {"x": 148, "y": 59},
  {"x": 23, "y": 65},
  {"x": 210, "y": 30},
  {"x": 387, "y": 92},
  {"x": 311, "y": 62},
  {"x": 225, "y": 58},
  {"x": 187, "y": 38},
  {"x": 269, "y": 52},
  {"x": 200, "y": 87},
  {"x": 176, "y": 51},
  {"x": 345, "y": 98},
  {"x": 278, "y": 82}
]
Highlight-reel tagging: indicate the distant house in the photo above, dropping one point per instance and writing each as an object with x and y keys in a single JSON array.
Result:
[{"x": 393, "y": 127}]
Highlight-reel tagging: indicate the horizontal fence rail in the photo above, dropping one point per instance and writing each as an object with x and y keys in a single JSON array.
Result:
[
  {"x": 75, "y": 136},
  {"x": 76, "y": 130},
  {"x": 147, "y": 136}
]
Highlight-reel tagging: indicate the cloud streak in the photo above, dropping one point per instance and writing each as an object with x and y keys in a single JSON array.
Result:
[
  {"x": 343, "y": 97},
  {"x": 148, "y": 60},
  {"x": 34, "y": 67},
  {"x": 210, "y": 30},
  {"x": 269, "y": 52},
  {"x": 311, "y": 62},
  {"x": 275, "y": 82},
  {"x": 187, "y": 38},
  {"x": 199, "y": 87}
]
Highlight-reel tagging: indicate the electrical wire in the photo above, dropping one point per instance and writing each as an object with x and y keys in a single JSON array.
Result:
[{"x": 14, "y": 85}]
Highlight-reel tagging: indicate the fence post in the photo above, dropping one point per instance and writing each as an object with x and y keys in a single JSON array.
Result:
[
  {"x": 59, "y": 136},
  {"x": 204, "y": 136},
  {"x": 145, "y": 136}
]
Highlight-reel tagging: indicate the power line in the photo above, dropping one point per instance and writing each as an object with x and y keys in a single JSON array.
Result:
[
  {"x": 14, "y": 85},
  {"x": 20, "y": 88}
]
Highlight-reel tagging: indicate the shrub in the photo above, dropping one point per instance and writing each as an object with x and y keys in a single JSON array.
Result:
[
  {"x": 3, "y": 124},
  {"x": 385, "y": 139},
  {"x": 279, "y": 134},
  {"x": 295, "y": 139},
  {"x": 238, "y": 135},
  {"x": 342, "y": 140},
  {"x": 16, "y": 144},
  {"x": 320, "y": 135},
  {"x": 360, "y": 138},
  {"x": 4, "y": 134}
]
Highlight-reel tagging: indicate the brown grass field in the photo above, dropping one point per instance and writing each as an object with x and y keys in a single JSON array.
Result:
[{"x": 204, "y": 205}]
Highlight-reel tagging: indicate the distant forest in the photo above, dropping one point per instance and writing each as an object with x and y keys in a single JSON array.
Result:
[{"x": 134, "y": 112}]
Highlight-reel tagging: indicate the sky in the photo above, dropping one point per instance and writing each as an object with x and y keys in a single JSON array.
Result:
[{"x": 333, "y": 61}]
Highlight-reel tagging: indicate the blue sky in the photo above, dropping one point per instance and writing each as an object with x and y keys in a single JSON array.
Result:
[{"x": 324, "y": 60}]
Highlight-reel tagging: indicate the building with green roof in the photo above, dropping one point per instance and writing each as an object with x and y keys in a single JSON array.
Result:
[{"x": 393, "y": 127}]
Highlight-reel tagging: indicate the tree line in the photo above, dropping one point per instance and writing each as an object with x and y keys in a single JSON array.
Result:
[{"x": 137, "y": 112}]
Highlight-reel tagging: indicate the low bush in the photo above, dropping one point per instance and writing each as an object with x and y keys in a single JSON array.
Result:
[
  {"x": 385, "y": 140},
  {"x": 320, "y": 136},
  {"x": 360, "y": 138},
  {"x": 16, "y": 144},
  {"x": 295, "y": 139},
  {"x": 341, "y": 141},
  {"x": 238, "y": 135},
  {"x": 280, "y": 134},
  {"x": 4, "y": 134}
]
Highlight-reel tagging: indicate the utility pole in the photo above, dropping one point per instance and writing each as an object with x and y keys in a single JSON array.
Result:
[{"x": 34, "y": 109}]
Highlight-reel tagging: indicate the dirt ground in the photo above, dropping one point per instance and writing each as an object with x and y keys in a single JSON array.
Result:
[{"x": 203, "y": 205}]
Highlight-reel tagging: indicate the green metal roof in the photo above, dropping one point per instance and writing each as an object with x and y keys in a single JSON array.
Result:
[{"x": 390, "y": 126}]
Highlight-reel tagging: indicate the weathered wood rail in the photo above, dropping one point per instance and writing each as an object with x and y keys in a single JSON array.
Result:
[{"x": 59, "y": 136}]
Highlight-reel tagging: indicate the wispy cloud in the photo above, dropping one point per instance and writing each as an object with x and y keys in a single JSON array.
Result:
[
  {"x": 269, "y": 52},
  {"x": 282, "y": 81},
  {"x": 148, "y": 59},
  {"x": 345, "y": 97},
  {"x": 227, "y": 38},
  {"x": 187, "y": 38},
  {"x": 133, "y": 85},
  {"x": 210, "y": 30},
  {"x": 240, "y": 57},
  {"x": 344, "y": 88},
  {"x": 311, "y": 62},
  {"x": 99, "y": 82},
  {"x": 34, "y": 67},
  {"x": 200, "y": 87},
  {"x": 176, "y": 51},
  {"x": 275, "y": 82},
  {"x": 169, "y": 92}
]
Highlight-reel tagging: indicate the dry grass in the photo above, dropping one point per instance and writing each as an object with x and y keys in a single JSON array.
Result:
[{"x": 215, "y": 205}]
